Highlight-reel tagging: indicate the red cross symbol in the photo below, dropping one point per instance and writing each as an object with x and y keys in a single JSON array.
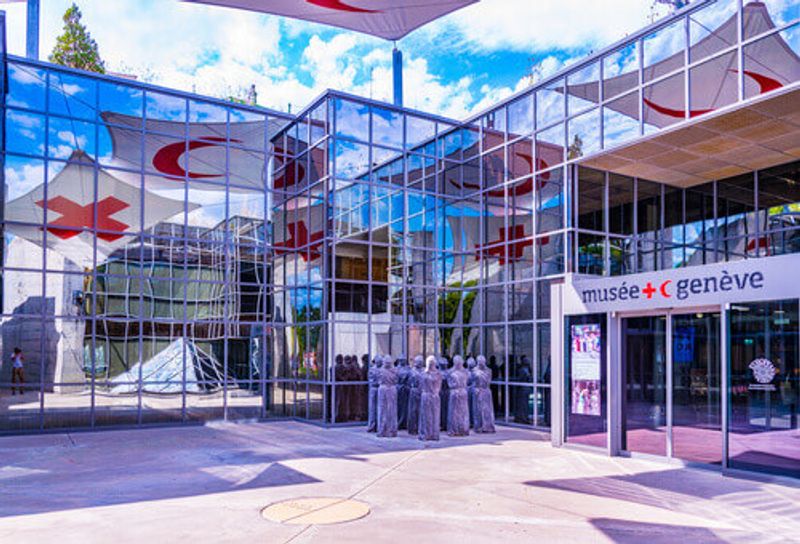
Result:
[
  {"x": 649, "y": 290},
  {"x": 298, "y": 237},
  {"x": 762, "y": 242},
  {"x": 514, "y": 251},
  {"x": 75, "y": 217}
]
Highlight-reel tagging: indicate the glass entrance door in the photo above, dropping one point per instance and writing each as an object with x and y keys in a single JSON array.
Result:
[
  {"x": 696, "y": 394},
  {"x": 671, "y": 397},
  {"x": 764, "y": 405},
  {"x": 644, "y": 363}
]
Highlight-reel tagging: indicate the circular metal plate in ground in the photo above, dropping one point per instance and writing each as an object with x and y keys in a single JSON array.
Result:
[{"x": 315, "y": 511}]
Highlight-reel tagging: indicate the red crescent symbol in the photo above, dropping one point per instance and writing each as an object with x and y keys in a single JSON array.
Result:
[
  {"x": 165, "y": 159},
  {"x": 765, "y": 84},
  {"x": 663, "y": 289},
  {"x": 669, "y": 112},
  {"x": 338, "y": 5}
]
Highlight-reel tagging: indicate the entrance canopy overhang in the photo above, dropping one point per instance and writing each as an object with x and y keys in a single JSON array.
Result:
[{"x": 760, "y": 133}]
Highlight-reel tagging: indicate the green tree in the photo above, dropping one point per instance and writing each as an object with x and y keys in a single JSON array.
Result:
[{"x": 75, "y": 47}]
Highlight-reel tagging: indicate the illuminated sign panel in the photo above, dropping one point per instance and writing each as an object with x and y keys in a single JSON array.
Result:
[{"x": 755, "y": 279}]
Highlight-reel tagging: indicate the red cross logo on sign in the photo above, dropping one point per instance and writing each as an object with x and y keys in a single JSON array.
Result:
[{"x": 75, "y": 217}]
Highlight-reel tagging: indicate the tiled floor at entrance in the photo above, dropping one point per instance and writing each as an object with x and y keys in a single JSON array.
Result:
[{"x": 210, "y": 484}]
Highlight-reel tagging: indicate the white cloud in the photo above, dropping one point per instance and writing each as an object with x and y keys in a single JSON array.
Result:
[{"x": 22, "y": 178}]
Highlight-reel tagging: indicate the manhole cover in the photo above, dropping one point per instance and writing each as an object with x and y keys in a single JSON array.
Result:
[{"x": 315, "y": 511}]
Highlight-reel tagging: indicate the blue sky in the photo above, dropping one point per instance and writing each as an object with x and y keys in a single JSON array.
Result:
[{"x": 455, "y": 66}]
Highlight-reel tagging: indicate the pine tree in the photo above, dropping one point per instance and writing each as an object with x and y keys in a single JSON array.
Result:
[{"x": 75, "y": 47}]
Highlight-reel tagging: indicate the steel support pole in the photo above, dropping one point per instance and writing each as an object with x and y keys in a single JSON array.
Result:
[
  {"x": 32, "y": 37},
  {"x": 397, "y": 74}
]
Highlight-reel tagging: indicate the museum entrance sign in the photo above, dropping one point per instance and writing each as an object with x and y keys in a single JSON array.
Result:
[{"x": 756, "y": 279}]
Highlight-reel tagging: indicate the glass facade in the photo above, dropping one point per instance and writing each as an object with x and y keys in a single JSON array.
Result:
[
  {"x": 170, "y": 258},
  {"x": 135, "y": 275}
]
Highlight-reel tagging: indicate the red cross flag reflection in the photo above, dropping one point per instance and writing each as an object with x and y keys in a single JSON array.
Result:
[{"x": 72, "y": 212}]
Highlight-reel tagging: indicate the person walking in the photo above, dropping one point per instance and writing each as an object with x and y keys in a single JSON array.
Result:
[{"x": 17, "y": 371}]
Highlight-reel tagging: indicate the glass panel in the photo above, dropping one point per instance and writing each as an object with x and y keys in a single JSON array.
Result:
[
  {"x": 696, "y": 396},
  {"x": 620, "y": 204},
  {"x": 549, "y": 201},
  {"x": 591, "y": 254},
  {"x": 621, "y": 120},
  {"x": 779, "y": 202},
  {"x": 620, "y": 71},
  {"x": 644, "y": 363},
  {"x": 712, "y": 29},
  {"x": 387, "y": 127},
  {"x": 713, "y": 84},
  {"x": 663, "y": 50},
  {"x": 550, "y": 103},
  {"x": 585, "y": 386},
  {"x": 591, "y": 198},
  {"x": 664, "y": 103},
  {"x": 520, "y": 117},
  {"x": 584, "y": 135},
  {"x": 583, "y": 88},
  {"x": 771, "y": 63},
  {"x": 25, "y": 133},
  {"x": 521, "y": 409},
  {"x": 777, "y": 12},
  {"x": 764, "y": 394},
  {"x": 26, "y": 87},
  {"x": 119, "y": 99},
  {"x": 72, "y": 96},
  {"x": 352, "y": 119}
]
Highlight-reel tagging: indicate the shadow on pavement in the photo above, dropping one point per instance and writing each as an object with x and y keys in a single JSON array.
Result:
[
  {"x": 636, "y": 532},
  {"x": 48, "y": 473}
]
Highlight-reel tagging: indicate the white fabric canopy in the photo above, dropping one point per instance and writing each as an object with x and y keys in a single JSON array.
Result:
[{"x": 388, "y": 19}]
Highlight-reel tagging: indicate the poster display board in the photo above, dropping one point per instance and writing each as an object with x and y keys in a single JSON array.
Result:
[{"x": 585, "y": 365}]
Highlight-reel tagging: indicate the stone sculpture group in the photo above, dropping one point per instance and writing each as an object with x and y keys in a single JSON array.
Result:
[{"x": 427, "y": 398}]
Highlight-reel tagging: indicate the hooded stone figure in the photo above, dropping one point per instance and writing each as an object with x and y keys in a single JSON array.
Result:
[
  {"x": 484, "y": 408},
  {"x": 430, "y": 402},
  {"x": 471, "y": 389},
  {"x": 387, "y": 399},
  {"x": 363, "y": 389},
  {"x": 351, "y": 375},
  {"x": 445, "y": 395},
  {"x": 414, "y": 377},
  {"x": 403, "y": 376},
  {"x": 372, "y": 409},
  {"x": 342, "y": 394},
  {"x": 458, "y": 405}
]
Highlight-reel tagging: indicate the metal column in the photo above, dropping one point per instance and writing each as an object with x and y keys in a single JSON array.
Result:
[
  {"x": 32, "y": 37},
  {"x": 397, "y": 76}
]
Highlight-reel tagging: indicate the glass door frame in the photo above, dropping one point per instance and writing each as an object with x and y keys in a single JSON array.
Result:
[{"x": 617, "y": 379}]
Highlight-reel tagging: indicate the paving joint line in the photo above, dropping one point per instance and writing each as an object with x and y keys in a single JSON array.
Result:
[{"x": 390, "y": 470}]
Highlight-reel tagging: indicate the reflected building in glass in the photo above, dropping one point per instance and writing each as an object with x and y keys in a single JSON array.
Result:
[{"x": 174, "y": 258}]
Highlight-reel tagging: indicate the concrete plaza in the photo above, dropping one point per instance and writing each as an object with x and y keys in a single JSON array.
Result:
[{"x": 210, "y": 483}]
